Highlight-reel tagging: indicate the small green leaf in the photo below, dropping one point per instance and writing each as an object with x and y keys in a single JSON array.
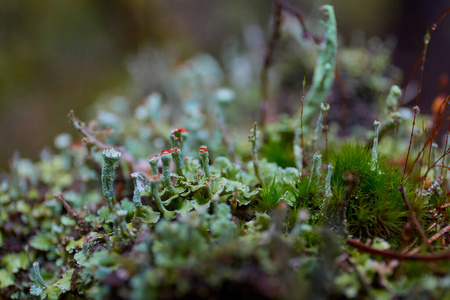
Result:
[
  {"x": 194, "y": 187},
  {"x": 128, "y": 206},
  {"x": 104, "y": 258},
  {"x": 96, "y": 235},
  {"x": 185, "y": 207},
  {"x": 13, "y": 262},
  {"x": 218, "y": 185},
  {"x": 23, "y": 207},
  {"x": 51, "y": 292},
  {"x": 147, "y": 215},
  {"x": 41, "y": 242},
  {"x": 105, "y": 215},
  {"x": 72, "y": 245},
  {"x": 81, "y": 258},
  {"x": 201, "y": 208},
  {"x": 64, "y": 284},
  {"x": 65, "y": 220},
  {"x": 6, "y": 279}
]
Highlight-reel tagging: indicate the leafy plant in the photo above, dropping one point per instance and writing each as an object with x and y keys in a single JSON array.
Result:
[{"x": 258, "y": 215}]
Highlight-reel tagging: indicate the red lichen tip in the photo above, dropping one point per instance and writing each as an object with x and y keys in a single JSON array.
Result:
[
  {"x": 174, "y": 149},
  {"x": 155, "y": 177},
  {"x": 207, "y": 183},
  {"x": 165, "y": 152},
  {"x": 203, "y": 149},
  {"x": 178, "y": 131},
  {"x": 112, "y": 153},
  {"x": 153, "y": 157}
]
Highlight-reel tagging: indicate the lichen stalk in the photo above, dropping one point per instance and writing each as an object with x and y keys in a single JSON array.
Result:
[
  {"x": 323, "y": 76},
  {"x": 375, "y": 145},
  {"x": 174, "y": 140},
  {"x": 178, "y": 136},
  {"x": 316, "y": 130},
  {"x": 139, "y": 185},
  {"x": 301, "y": 125},
  {"x": 315, "y": 168},
  {"x": 324, "y": 107},
  {"x": 328, "y": 193},
  {"x": 154, "y": 184},
  {"x": 153, "y": 161},
  {"x": 298, "y": 153},
  {"x": 111, "y": 158},
  {"x": 178, "y": 160},
  {"x": 166, "y": 159},
  {"x": 36, "y": 274},
  {"x": 253, "y": 137},
  {"x": 204, "y": 156}
]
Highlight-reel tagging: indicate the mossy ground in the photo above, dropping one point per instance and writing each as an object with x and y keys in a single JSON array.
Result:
[{"x": 261, "y": 220}]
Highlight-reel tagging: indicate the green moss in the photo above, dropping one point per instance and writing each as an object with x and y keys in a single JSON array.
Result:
[
  {"x": 245, "y": 225},
  {"x": 374, "y": 207}
]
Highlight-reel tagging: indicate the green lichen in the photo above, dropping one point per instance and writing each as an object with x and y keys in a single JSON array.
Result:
[
  {"x": 153, "y": 161},
  {"x": 178, "y": 160},
  {"x": 375, "y": 145},
  {"x": 166, "y": 159},
  {"x": 154, "y": 185},
  {"x": 253, "y": 138},
  {"x": 139, "y": 182},
  {"x": 111, "y": 158},
  {"x": 250, "y": 223},
  {"x": 204, "y": 156},
  {"x": 323, "y": 77}
]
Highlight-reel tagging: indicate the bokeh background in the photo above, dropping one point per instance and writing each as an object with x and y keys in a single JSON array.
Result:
[{"x": 61, "y": 55}]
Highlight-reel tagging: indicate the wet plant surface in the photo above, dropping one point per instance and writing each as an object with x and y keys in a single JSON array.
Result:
[{"x": 225, "y": 207}]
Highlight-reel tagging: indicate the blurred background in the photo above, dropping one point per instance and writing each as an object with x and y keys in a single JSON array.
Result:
[{"x": 62, "y": 55}]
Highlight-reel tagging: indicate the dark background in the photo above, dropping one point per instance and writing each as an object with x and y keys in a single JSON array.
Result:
[{"x": 61, "y": 55}]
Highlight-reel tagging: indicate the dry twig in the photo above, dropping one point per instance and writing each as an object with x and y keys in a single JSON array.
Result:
[
  {"x": 82, "y": 224},
  {"x": 90, "y": 139}
]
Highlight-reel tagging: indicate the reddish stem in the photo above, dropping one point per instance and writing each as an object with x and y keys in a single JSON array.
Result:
[
  {"x": 301, "y": 134},
  {"x": 401, "y": 188},
  {"x": 422, "y": 57},
  {"x": 326, "y": 136},
  {"x": 389, "y": 254},
  {"x": 409, "y": 147}
]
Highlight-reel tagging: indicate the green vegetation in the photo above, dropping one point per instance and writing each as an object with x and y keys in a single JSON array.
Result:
[{"x": 280, "y": 211}]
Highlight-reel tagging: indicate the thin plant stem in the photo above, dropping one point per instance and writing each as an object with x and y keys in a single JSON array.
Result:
[
  {"x": 402, "y": 190},
  {"x": 389, "y": 254}
]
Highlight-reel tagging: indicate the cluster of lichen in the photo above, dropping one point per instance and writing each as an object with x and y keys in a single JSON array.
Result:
[{"x": 266, "y": 220}]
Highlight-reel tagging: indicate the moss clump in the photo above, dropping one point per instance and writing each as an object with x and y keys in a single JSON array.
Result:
[{"x": 374, "y": 207}]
